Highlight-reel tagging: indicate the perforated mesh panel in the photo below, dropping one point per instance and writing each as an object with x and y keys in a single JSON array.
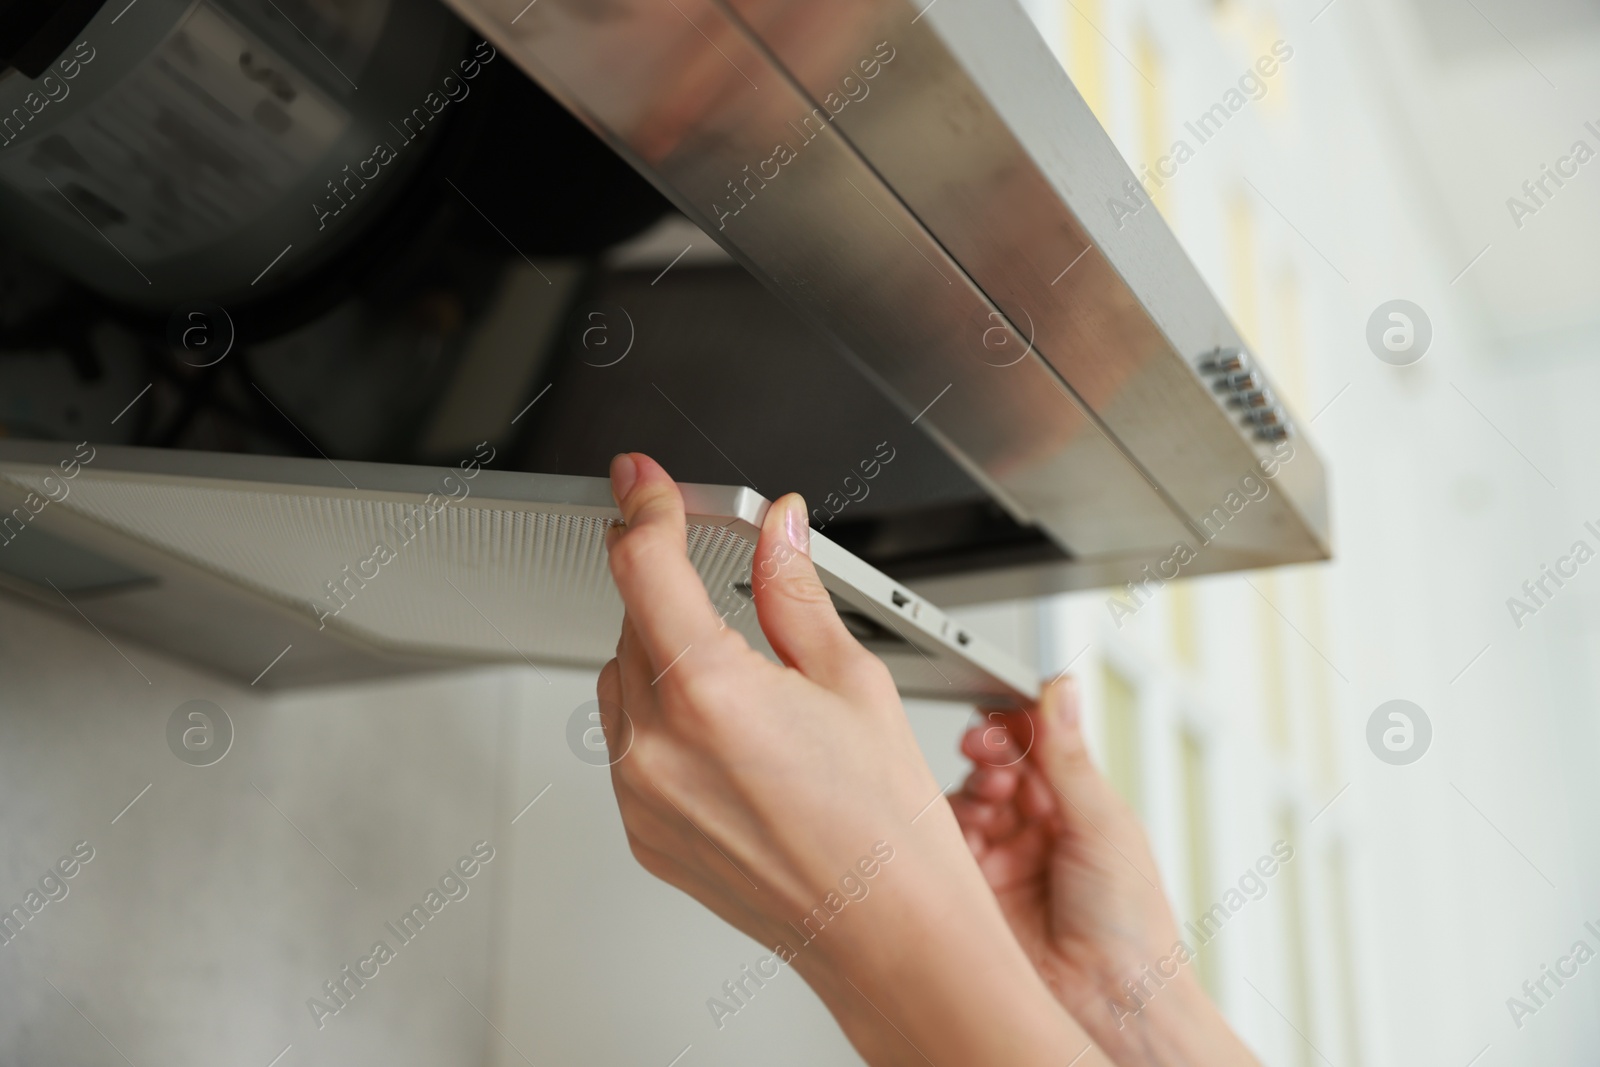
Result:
[{"x": 462, "y": 580}]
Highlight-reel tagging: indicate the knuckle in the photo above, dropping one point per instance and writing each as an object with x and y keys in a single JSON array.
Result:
[
  {"x": 608, "y": 685},
  {"x": 805, "y": 589},
  {"x": 631, "y": 554},
  {"x": 643, "y": 764},
  {"x": 725, "y": 650},
  {"x": 704, "y": 701},
  {"x": 655, "y": 509},
  {"x": 654, "y": 862},
  {"x": 866, "y": 672},
  {"x": 650, "y": 495},
  {"x": 697, "y": 695}
]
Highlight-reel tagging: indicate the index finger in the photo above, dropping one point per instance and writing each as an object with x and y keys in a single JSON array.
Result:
[{"x": 650, "y": 563}]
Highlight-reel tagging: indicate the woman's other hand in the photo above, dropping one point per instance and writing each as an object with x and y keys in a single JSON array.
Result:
[{"x": 1074, "y": 874}]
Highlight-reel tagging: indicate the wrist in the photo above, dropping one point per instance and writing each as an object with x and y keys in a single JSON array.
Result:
[
  {"x": 934, "y": 971},
  {"x": 1156, "y": 1017}
]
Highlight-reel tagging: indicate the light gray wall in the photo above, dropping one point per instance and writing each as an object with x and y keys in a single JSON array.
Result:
[{"x": 206, "y": 920}]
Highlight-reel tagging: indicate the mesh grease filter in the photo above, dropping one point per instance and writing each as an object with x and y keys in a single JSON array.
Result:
[
  {"x": 462, "y": 579},
  {"x": 433, "y": 566}
]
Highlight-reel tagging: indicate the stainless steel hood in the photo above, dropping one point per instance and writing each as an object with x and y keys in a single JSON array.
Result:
[
  {"x": 928, "y": 307},
  {"x": 924, "y": 185}
]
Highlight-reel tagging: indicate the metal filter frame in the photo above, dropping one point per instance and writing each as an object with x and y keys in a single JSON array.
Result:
[{"x": 227, "y": 559}]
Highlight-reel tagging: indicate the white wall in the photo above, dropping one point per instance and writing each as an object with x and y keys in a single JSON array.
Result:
[
  {"x": 1452, "y": 481},
  {"x": 205, "y": 920}
]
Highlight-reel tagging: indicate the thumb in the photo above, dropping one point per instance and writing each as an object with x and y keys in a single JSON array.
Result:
[
  {"x": 794, "y": 608},
  {"x": 1059, "y": 749},
  {"x": 1090, "y": 808}
]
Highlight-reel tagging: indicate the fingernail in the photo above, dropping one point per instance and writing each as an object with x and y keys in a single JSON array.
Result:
[
  {"x": 799, "y": 530},
  {"x": 624, "y": 472}
]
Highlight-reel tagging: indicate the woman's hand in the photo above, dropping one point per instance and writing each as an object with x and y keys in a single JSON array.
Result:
[
  {"x": 1073, "y": 872},
  {"x": 760, "y": 788}
]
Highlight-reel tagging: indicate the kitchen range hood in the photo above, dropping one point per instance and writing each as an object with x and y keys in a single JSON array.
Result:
[
  {"x": 868, "y": 251},
  {"x": 922, "y": 183}
]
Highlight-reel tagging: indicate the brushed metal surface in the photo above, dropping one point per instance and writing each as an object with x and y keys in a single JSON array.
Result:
[
  {"x": 688, "y": 96},
  {"x": 925, "y": 218}
]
